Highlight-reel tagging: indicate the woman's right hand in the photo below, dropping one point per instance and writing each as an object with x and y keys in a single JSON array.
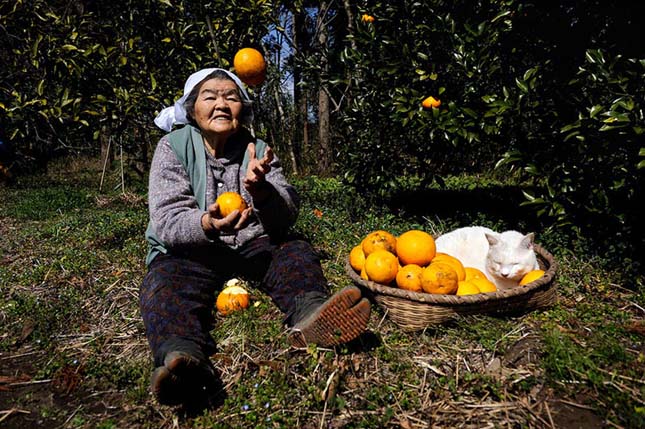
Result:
[{"x": 214, "y": 223}]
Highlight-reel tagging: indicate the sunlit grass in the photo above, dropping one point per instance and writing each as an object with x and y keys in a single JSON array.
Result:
[{"x": 69, "y": 294}]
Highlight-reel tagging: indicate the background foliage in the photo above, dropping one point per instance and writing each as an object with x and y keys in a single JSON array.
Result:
[{"x": 548, "y": 91}]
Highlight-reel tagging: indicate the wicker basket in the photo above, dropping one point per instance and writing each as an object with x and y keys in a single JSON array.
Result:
[{"x": 414, "y": 311}]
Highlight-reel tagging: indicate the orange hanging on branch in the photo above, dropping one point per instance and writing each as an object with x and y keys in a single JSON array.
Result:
[{"x": 431, "y": 102}]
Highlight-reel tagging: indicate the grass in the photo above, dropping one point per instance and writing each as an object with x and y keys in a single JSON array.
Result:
[{"x": 73, "y": 352}]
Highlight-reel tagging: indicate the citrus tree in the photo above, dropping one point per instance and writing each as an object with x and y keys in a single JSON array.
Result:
[
  {"x": 405, "y": 52},
  {"x": 553, "y": 90},
  {"x": 79, "y": 71},
  {"x": 589, "y": 175}
]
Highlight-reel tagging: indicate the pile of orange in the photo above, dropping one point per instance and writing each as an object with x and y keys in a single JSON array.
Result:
[{"x": 410, "y": 261}]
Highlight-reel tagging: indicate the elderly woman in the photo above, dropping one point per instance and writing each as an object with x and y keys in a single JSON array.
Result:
[{"x": 193, "y": 249}]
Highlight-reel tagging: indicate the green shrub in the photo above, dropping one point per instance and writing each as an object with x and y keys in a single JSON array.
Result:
[{"x": 588, "y": 176}]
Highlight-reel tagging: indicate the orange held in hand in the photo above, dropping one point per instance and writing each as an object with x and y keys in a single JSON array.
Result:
[
  {"x": 431, "y": 102},
  {"x": 232, "y": 298},
  {"x": 250, "y": 66},
  {"x": 415, "y": 247},
  {"x": 229, "y": 202}
]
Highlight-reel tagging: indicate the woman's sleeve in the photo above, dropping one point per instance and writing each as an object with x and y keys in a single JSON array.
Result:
[
  {"x": 279, "y": 210},
  {"x": 174, "y": 213}
]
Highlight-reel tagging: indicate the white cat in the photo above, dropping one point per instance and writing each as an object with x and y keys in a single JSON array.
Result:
[{"x": 504, "y": 257}]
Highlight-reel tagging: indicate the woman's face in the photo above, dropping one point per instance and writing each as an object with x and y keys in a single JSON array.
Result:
[{"x": 218, "y": 108}]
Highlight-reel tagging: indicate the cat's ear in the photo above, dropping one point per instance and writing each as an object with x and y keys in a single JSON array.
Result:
[
  {"x": 492, "y": 239},
  {"x": 527, "y": 241}
]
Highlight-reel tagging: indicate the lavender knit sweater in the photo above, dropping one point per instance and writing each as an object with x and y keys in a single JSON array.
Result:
[{"x": 176, "y": 217}]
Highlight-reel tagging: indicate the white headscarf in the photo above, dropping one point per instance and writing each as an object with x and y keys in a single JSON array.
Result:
[{"x": 176, "y": 114}]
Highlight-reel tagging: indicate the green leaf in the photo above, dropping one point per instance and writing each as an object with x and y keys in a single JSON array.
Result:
[
  {"x": 521, "y": 85},
  {"x": 528, "y": 196},
  {"x": 529, "y": 73},
  {"x": 531, "y": 169},
  {"x": 34, "y": 47},
  {"x": 469, "y": 112},
  {"x": 595, "y": 110},
  {"x": 569, "y": 127},
  {"x": 501, "y": 15}
]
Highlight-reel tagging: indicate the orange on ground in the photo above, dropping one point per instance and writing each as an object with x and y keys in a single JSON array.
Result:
[
  {"x": 230, "y": 201},
  {"x": 378, "y": 240},
  {"x": 250, "y": 66},
  {"x": 367, "y": 18},
  {"x": 473, "y": 273},
  {"x": 415, "y": 247},
  {"x": 357, "y": 258},
  {"x": 483, "y": 284},
  {"x": 431, "y": 102},
  {"x": 464, "y": 287},
  {"x": 531, "y": 276},
  {"x": 439, "y": 277},
  {"x": 409, "y": 278},
  {"x": 381, "y": 266},
  {"x": 454, "y": 263},
  {"x": 232, "y": 298}
]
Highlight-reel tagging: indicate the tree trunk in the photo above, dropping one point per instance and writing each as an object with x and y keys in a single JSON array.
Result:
[
  {"x": 324, "y": 135},
  {"x": 301, "y": 134},
  {"x": 283, "y": 133},
  {"x": 107, "y": 154},
  {"x": 350, "y": 22},
  {"x": 140, "y": 162}
]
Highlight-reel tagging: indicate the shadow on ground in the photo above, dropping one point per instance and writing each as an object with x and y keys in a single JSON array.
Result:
[{"x": 467, "y": 205}]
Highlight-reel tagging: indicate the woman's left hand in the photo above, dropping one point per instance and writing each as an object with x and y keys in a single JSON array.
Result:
[{"x": 256, "y": 172}]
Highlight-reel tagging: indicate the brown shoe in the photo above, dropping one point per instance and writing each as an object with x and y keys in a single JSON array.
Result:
[
  {"x": 338, "y": 320},
  {"x": 171, "y": 382}
]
